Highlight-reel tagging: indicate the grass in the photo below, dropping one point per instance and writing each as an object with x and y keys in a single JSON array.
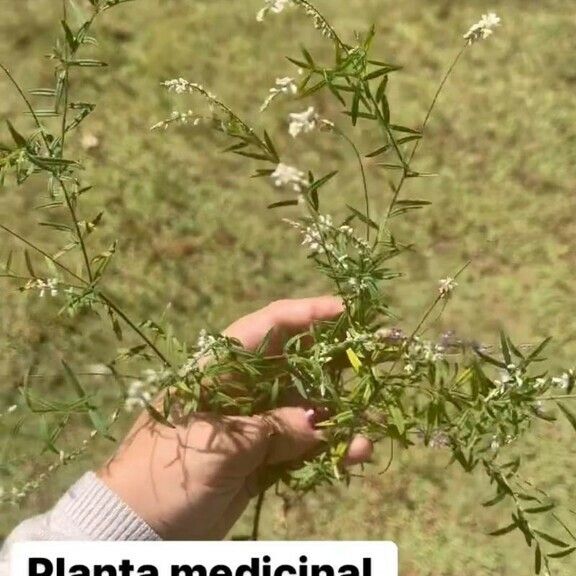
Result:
[{"x": 195, "y": 232}]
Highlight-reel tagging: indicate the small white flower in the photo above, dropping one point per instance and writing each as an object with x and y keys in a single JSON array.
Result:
[
  {"x": 284, "y": 85},
  {"x": 562, "y": 381},
  {"x": 89, "y": 141},
  {"x": 139, "y": 394},
  {"x": 483, "y": 28},
  {"x": 447, "y": 286},
  {"x": 285, "y": 175},
  {"x": 439, "y": 439},
  {"x": 48, "y": 286},
  {"x": 303, "y": 122},
  {"x": 12, "y": 409},
  {"x": 274, "y": 6}
]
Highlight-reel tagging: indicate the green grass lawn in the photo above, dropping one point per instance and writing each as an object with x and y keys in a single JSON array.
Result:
[{"x": 195, "y": 233}]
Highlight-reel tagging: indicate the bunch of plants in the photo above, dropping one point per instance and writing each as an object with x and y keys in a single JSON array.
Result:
[{"x": 367, "y": 372}]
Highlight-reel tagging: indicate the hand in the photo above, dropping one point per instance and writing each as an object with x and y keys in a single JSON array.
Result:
[{"x": 194, "y": 481}]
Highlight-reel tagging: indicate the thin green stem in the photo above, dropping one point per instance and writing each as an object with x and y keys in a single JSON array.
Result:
[
  {"x": 71, "y": 208},
  {"x": 435, "y": 99},
  {"x": 28, "y": 105},
  {"x": 363, "y": 173},
  {"x": 258, "y": 516}
]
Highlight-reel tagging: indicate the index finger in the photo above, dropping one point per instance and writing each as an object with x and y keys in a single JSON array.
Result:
[{"x": 282, "y": 319}]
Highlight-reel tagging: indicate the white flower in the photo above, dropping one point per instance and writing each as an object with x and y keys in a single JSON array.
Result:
[
  {"x": 439, "y": 439},
  {"x": 12, "y": 409},
  {"x": 179, "y": 118},
  {"x": 285, "y": 175},
  {"x": 138, "y": 396},
  {"x": 447, "y": 286},
  {"x": 562, "y": 381},
  {"x": 275, "y": 6},
  {"x": 483, "y": 28},
  {"x": 315, "y": 234},
  {"x": 303, "y": 122},
  {"x": 284, "y": 85},
  {"x": 181, "y": 85},
  {"x": 50, "y": 285}
]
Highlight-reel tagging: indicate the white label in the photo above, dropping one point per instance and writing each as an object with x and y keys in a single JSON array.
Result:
[{"x": 204, "y": 559}]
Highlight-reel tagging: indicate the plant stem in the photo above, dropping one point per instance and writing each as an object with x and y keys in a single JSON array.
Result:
[
  {"x": 363, "y": 172},
  {"x": 435, "y": 99},
  {"x": 258, "y": 516}
]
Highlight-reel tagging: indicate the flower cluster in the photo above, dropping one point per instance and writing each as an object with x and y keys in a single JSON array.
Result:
[
  {"x": 483, "y": 28},
  {"x": 178, "y": 118},
  {"x": 446, "y": 287},
  {"x": 142, "y": 391},
  {"x": 274, "y": 6},
  {"x": 47, "y": 286},
  {"x": 314, "y": 234},
  {"x": 285, "y": 175},
  {"x": 207, "y": 345},
  {"x": 284, "y": 85},
  {"x": 420, "y": 352},
  {"x": 303, "y": 122}
]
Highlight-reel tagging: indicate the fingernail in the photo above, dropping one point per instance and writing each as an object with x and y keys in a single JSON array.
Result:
[{"x": 311, "y": 417}]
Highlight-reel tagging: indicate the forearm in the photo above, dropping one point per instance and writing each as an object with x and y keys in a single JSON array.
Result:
[{"x": 88, "y": 511}]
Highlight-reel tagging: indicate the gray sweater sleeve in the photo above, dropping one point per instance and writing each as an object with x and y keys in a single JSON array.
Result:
[{"x": 89, "y": 510}]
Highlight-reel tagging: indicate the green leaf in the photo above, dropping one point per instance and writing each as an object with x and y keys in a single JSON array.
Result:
[
  {"x": 540, "y": 509},
  {"x": 70, "y": 39},
  {"x": 570, "y": 416},
  {"x": 355, "y": 362},
  {"x": 319, "y": 183},
  {"x": 397, "y": 419},
  {"x": 376, "y": 74},
  {"x": 398, "y": 128},
  {"x": 505, "y": 530},
  {"x": 44, "y": 92},
  {"x": 562, "y": 553},
  {"x": 385, "y": 110},
  {"x": 382, "y": 89},
  {"x": 533, "y": 356},
  {"x": 355, "y": 106},
  {"x": 300, "y": 387},
  {"x": 87, "y": 63},
  {"x": 28, "y": 262},
  {"x": 379, "y": 151},
  {"x": 537, "y": 559},
  {"x": 72, "y": 379},
  {"x": 283, "y": 203},
  {"x": 270, "y": 145},
  {"x": 99, "y": 425},
  {"x": 402, "y": 206},
  {"x": 363, "y": 218},
  {"x": 505, "y": 348},
  {"x": 497, "y": 499},
  {"x": 552, "y": 539},
  {"x": 16, "y": 136},
  {"x": 47, "y": 113},
  {"x": 158, "y": 416}
]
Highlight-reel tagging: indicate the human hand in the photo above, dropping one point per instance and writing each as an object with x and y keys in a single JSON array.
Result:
[{"x": 195, "y": 480}]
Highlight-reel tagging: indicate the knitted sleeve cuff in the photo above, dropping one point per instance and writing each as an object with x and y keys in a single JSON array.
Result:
[{"x": 98, "y": 513}]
